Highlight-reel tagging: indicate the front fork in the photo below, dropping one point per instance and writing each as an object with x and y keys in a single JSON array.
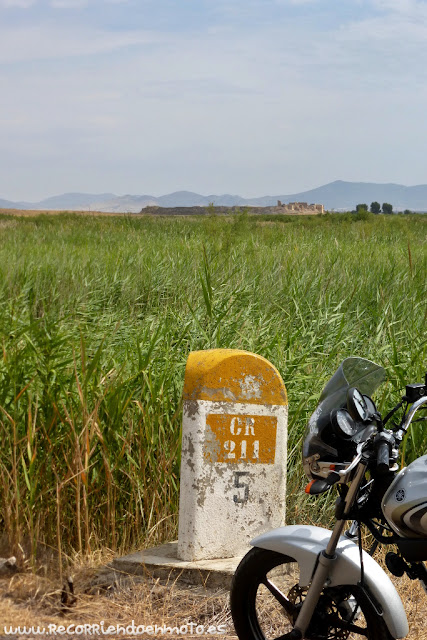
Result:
[{"x": 326, "y": 559}]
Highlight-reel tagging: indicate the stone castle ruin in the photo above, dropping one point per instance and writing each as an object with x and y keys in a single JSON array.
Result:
[
  {"x": 296, "y": 208},
  {"x": 300, "y": 207}
]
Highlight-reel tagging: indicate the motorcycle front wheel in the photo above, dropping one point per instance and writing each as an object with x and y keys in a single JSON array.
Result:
[{"x": 266, "y": 597}]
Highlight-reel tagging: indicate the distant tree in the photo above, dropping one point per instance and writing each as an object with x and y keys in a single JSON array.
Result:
[
  {"x": 387, "y": 208},
  {"x": 211, "y": 209},
  {"x": 407, "y": 211},
  {"x": 361, "y": 207},
  {"x": 375, "y": 207}
]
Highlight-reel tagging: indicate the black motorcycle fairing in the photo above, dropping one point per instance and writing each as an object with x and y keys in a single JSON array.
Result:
[{"x": 321, "y": 443}]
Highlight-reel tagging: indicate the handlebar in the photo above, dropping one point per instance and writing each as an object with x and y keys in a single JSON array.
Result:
[
  {"x": 408, "y": 419},
  {"x": 383, "y": 458},
  {"x": 401, "y": 431},
  {"x": 353, "y": 464},
  {"x": 383, "y": 444}
]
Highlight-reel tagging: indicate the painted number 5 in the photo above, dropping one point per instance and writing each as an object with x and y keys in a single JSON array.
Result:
[{"x": 241, "y": 483}]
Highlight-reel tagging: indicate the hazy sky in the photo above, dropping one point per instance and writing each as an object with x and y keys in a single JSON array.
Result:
[{"x": 251, "y": 97}]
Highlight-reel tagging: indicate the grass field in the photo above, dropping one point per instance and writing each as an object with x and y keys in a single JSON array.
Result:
[{"x": 99, "y": 313}]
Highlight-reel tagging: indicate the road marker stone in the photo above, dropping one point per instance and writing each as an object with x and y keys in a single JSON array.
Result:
[{"x": 233, "y": 461}]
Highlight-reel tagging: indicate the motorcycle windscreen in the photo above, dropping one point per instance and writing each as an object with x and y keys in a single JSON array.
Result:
[{"x": 352, "y": 372}]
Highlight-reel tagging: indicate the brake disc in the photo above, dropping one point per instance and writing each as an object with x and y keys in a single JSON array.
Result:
[{"x": 324, "y": 617}]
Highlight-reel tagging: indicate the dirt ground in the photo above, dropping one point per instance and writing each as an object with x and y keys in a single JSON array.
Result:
[
  {"x": 177, "y": 610},
  {"x": 39, "y": 599}
]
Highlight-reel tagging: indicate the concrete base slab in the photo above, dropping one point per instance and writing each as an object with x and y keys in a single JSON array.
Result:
[{"x": 162, "y": 562}]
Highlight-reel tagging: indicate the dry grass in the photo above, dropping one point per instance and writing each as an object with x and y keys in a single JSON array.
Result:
[
  {"x": 28, "y": 599},
  {"x": 34, "y": 600},
  {"x": 30, "y": 213},
  {"x": 414, "y": 600}
]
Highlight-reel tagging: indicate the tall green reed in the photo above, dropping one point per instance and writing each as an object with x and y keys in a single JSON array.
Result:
[{"x": 98, "y": 315}]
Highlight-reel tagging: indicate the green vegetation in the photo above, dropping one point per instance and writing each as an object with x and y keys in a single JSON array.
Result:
[
  {"x": 361, "y": 207},
  {"x": 376, "y": 208},
  {"x": 98, "y": 315}
]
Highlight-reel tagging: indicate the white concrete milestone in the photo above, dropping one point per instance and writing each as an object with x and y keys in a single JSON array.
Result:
[{"x": 233, "y": 464}]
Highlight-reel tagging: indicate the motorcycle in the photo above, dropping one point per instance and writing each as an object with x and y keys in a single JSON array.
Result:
[{"x": 302, "y": 581}]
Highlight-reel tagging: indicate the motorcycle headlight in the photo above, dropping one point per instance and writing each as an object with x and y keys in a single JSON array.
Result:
[{"x": 343, "y": 424}]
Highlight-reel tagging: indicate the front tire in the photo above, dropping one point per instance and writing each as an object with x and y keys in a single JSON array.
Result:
[{"x": 266, "y": 597}]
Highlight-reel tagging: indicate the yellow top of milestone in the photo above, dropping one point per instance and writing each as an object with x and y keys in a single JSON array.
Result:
[{"x": 232, "y": 375}]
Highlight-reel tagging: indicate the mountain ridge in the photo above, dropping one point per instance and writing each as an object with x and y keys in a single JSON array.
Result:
[{"x": 336, "y": 195}]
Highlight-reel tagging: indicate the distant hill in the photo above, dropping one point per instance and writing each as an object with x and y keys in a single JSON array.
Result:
[
  {"x": 7, "y": 204},
  {"x": 345, "y": 195},
  {"x": 338, "y": 195},
  {"x": 74, "y": 200}
]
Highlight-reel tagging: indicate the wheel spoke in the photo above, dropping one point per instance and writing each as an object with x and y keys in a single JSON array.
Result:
[
  {"x": 339, "y": 623},
  {"x": 280, "y": 597},
  {"x": 352, "y": 628},
  {"x": 361, "y": 631}
]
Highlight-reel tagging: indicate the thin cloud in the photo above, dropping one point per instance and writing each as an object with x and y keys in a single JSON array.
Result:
[
  {"x": 16, "y": 4},
  {"x": 400, "y": 6},
  {"x": 68, "y": 4},
  {"x": 46, "y": 43},
  {"x": 408, "y": 10},
  {"x": 397, "y": 28}
]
